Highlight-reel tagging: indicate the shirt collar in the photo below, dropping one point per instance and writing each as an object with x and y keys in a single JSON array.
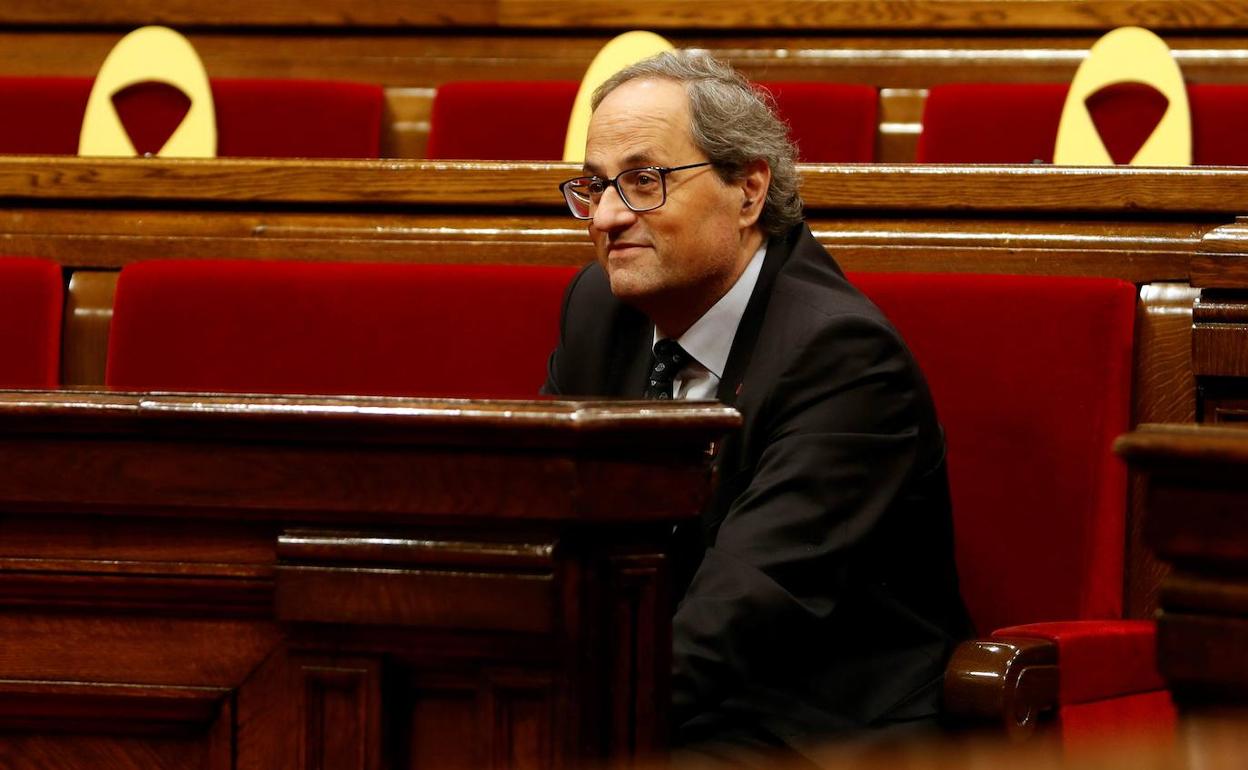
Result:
[{"x": 709, "y": 340}]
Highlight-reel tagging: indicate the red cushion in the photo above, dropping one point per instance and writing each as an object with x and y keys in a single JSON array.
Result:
[
  {"x": 292, "y": 327},
  {"x": 1219, "y": 124},
  {"x": 1143, "y": 721},
  {"x": 259, "y": 118},
  {"x": 1032, "y": 381},
  {"x": 31, "y": 297},
  {"x": 991, "y": 123},
  {"x": 1099, "y": 658},
  {"x": 830, "y": 122},
  {"x": 501, "y": 120},
  {"x": 42, "y": 116},
  {"x": 528, "y": 120},
  {"x": 1017, "y": 122}
]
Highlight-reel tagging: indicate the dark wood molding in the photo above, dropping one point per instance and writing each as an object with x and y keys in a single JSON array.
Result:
[{"x": 1197, "y": 496}]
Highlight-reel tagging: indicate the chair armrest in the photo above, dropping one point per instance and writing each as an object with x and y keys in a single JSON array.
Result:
[
  {"x": 1023, "y": 672},
  {"x": 1006, "y": 683}
]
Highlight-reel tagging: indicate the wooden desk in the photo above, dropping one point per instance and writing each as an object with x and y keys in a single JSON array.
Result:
[
  {"x": 1196, "y": 519},
  {"x": 234, "y": 582}
]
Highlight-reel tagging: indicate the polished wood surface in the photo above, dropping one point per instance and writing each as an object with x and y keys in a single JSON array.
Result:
[
  {"x": 926, "y": 187},
  {"x": 656, "y": 14},
  {"x": 1197, "y": 501},
  {"x": 199, "y": 581}
]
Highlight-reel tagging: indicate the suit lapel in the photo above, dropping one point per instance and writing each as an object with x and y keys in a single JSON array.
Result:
[{"x": 778, "y": 252}]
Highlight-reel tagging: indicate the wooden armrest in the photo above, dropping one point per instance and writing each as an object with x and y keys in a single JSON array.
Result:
[{"x": 1009, "y": 683}]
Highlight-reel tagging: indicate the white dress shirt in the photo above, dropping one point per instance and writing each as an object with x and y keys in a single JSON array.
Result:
[{"x": 709, "y": 340}]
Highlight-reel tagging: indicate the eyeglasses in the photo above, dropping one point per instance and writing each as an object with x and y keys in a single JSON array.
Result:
[{"x": 641, "y": 189}]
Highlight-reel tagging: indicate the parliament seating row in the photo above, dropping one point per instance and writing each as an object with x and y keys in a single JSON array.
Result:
[
  {"x": 831, "y": 123},
  {"x": 1029, "y": 416},
  {"x": 837, "y": 123},
  {"x": 255, "y": 117}
]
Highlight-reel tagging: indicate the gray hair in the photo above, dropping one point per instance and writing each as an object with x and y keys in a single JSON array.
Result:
[{"x": 733, "y": 124}]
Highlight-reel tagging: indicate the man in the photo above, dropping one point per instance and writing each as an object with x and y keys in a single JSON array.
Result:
[{"x": 825, "y": 595}]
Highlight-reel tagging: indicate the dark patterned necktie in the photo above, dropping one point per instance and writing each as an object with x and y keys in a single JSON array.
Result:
[{"x": 667, "y": 360}]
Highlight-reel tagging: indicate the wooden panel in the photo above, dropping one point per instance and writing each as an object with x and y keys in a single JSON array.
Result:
[
  {"x": 178, "y": 652},
  {"x": 873, "y": 14},
  {"x": 331, "y": 13},
  {"x": 19, "y": 751},
  {"x": 1022, "y": 188},
  {"x": 119, "y": 709},
  {"x": 1196, "y": 492},
  {"x": 496, "y": 602},
  {"x": 658, "y": 14},
  {"x": 637, "y": 593},
  {"x": 84, "y": 336},
  {"x": 1165, "y": 391},
  {"x": 405, "y": 122},
  {"x": 342, "y": 708},
  {"x": 900, "y": 123}
]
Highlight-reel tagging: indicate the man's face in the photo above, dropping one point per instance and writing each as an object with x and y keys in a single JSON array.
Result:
[{"x": 686, "y": 254}]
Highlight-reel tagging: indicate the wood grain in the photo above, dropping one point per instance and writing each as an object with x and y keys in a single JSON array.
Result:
[
  {"x": 1027, "y": 188},
  {"x": 655, "y": 14}
]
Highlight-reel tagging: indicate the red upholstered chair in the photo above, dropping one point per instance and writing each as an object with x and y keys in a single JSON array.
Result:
[
  {"x": 501, "y": 120},
  {"x": 257, "y": 118},
  {"x": 1032, "y": 382},
  {"x": 1017, "y": 122},
  {"x": 31, "y": 297},
  {"x": 528, "y": 120},
  {"x": 329, "y": 328}
]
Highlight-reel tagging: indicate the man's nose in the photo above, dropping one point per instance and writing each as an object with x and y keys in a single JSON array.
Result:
[{"x": 611, "y": 213}]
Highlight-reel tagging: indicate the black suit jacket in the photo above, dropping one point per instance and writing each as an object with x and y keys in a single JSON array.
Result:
[{"x": 825, "y": 596}]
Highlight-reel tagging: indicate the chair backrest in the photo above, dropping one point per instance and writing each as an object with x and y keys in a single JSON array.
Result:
[
  {"x": 1017, "y": 122},
  {"x": 1032, "y": 382},
  {"x": 330, "y": 328},
  {"x": 528, "y": 120},
  {"x": 32, "y": 295},
  {"x": 255, "y": 118}
]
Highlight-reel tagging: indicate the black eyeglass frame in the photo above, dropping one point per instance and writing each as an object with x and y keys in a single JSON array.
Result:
[{"x": 662, "y": 171}]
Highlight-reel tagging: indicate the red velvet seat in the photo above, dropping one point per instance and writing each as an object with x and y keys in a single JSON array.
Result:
[
  {"x": 1017, "y": 122},
  {"x": 257, "y": 118},
  {"x": 31, "y": 298},
  {"x": 528, "y": 120},
  {"x": 325, "y": 328},
  {"x": 1032, "y": 382}
]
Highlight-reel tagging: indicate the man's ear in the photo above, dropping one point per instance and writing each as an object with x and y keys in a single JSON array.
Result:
[{"x": 754, "y": 185}]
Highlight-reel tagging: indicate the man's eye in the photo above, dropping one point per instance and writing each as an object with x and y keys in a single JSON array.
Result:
[
  {"x": 646, "y": 179},
  {"x": 596, "y": 186}
]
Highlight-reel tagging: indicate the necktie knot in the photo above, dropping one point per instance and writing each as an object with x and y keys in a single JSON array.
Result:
[{"x": 666, "y": 362}]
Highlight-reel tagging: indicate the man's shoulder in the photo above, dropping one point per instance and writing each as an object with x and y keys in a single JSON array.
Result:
[{"x": 810, "y": 289}]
